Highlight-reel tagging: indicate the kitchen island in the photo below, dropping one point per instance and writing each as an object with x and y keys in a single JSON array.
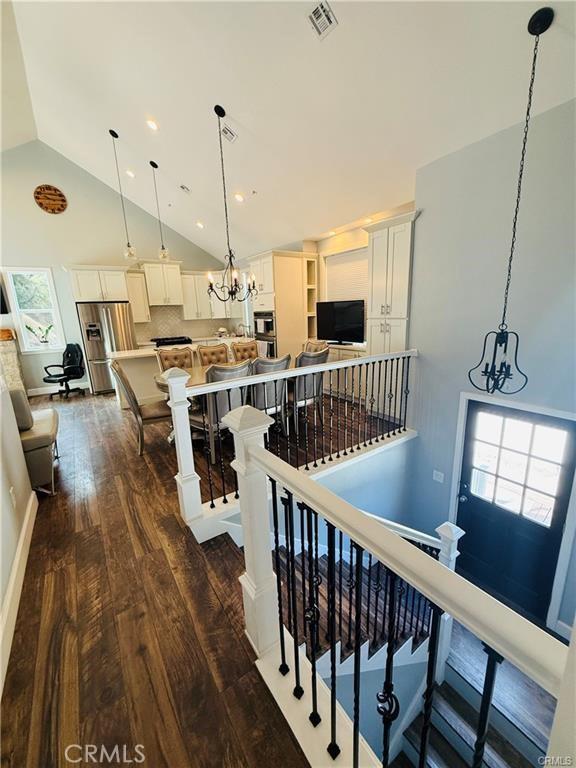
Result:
[{"x": 141, "y": 365}]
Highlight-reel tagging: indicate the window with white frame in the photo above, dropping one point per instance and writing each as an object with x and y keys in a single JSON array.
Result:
[{"x": 34, "y": 309}]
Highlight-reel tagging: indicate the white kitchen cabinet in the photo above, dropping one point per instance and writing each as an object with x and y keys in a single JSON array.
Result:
[
  {"x": 138, "y": 297},
  {"x": 389, "y": 257},
  {"x": 220, "y": 309},
  {"x": 164, "y": 284},
  {"x": 197, "y": 305},
  {"x": 377, "y": 270},
  {"x": 386, "y": 336},
  {"x": 264, "y": 302},
  {"x": 99, "y": 285},
  {"x": 262, "y": 267}
]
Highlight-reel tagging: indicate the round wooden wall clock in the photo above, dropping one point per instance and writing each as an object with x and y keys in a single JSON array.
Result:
[{"x": 50, "y": 199}]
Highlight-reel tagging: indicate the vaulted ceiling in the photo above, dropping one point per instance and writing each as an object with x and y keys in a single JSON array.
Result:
[{"x": 328, "y": 131}]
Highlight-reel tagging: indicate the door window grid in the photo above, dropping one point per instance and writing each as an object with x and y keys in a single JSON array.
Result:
[{"x": 520, "y": 493}]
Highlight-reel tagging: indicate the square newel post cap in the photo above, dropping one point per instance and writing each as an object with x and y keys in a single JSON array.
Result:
[
  {"x": 450, "y": 531},
  {"x": 247, "y": 420},
  {"x": 176, "y": 379}
]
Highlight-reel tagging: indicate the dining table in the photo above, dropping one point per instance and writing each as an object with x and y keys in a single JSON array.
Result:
[{"x": 196, "y": 376}]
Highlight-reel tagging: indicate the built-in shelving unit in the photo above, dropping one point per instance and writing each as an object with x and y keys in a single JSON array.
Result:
[{"x": 311, "y": 282}]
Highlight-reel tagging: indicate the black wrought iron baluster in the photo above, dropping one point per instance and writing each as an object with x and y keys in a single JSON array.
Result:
[
  {"x": 379, "y": 430},
  {"x": 266, "y": 434},
  {"x": 401, "y": 593},
  {"x": 331, "y": 414},
  {"x": 312, "y": 617},
  {"x": 385, "y": 634},
  {"x": 322, "y": 415},
  {"x": 387, "y": 397},
  {"x": 369, "y": 593},
  {"x": 303, "y": 568},
  {"x": 317, "y": 577},
  {"x": 359, "y": 430},
  {"x": 494, "y": 658},
  {"x": 345, "y": 451},
  {"x": 220, "y": 451},
  {"x": 412, "y": 611},
  {"x": 351, "y": 585},
  {"x": 234, "y": 475},
  {"x": 357, "y": 656},
  {"x": 284, "y": 502},
  {"x": 315, "y": 421},
  {"x": 430, "y": 684},
  {"x": 306, "y": 467},
  {"x": 206, "y": 450},
  {"x": 333, "y": 748},
  {"x": 372, "y": 401},
  {"x": 283, "y": 668},
  {"x": 402, "y": 388},
  {"x": 288, "y": 422},
  {"x": 405, "y": 601},
  {"x": 276, "y": 416},
  {"x": 406, "y": 393},
  {"x": 298, "y": 690},
  {"x": 340, "y": 580},
  {"x": 377, "y": 590},
  {"x": 423, "y": 606},
  {"x": 388, "y": 704},
  {"x": 396, "y": 397},
  {"x": 366, "y": 372},
  {"x": 352, "y": 408}
]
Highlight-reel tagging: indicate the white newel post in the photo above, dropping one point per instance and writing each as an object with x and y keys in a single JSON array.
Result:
[
  {"x": 562, "y": 744},
  {"x": 187, "y": 480},
  {"x": 248, "y": 426},
  {"x": 450, "y": 535}
]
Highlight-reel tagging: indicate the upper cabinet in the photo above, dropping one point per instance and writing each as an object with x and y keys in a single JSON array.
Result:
[
  {"x": 138, "y": 297},
  {"x": 389, "y": 260},
  {"x": 196, "y": 302},
  {"x": 262, "y": 267},
  {"x": 164, "y": 284},
  {"x": 99, "y": 285}
]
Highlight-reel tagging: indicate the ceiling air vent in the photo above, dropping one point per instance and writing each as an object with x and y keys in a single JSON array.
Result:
[
  {"x": 184, "y": 188},
  {"x": 228, "y": 133},
  {"x": 323, "y": 19}
]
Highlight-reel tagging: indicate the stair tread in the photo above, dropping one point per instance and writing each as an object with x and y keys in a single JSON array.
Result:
[
  {"x": 441, "y": 754},
  {"x": 462, "y": 718}
]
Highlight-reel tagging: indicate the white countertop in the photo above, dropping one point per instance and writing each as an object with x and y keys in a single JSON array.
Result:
[{"x": 150, "y": 350}]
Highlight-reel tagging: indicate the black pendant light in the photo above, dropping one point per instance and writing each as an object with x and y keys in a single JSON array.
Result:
[
  {"x": 498, "y": 369},
  {"x": 230, "y": 289},
  {"x": 163, "y": 252},
  {"x": 129, "y": 252}
]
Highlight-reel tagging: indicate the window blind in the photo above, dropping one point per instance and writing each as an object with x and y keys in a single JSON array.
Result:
[{"x": 347, "y": 276}]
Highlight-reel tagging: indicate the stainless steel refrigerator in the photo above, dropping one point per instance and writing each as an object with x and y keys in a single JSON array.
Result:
[{"x": 106, "y": 327}]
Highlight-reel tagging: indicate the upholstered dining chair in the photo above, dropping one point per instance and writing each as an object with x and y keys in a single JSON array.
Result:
[
  {"x": 213, "y": 354},
  {"x": 145, "y": 413},
  {"x": 307, "y": 390},
  {"x": 314, "y": 345},
  {"x": 218, "y": 404},
  {"x": 271, "y": 397},
  {"x": 244, "y": 350},
  {"x": 175, "y": 358}
]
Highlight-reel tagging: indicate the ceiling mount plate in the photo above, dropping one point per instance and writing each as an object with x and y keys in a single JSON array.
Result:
[
  {"x": 541, "y": 21},
  {"x": 220, "y": 111}
]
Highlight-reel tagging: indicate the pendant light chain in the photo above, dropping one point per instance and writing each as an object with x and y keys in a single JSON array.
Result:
[
  {"x": 224, "y": 183},
  {"x": 121, "y": 194},
  {"x": 158, "y": 209},
  {"x": 503, "y": 324}
]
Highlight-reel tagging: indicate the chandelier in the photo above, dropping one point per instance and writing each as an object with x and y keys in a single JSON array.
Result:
[
  {"x": 498, "y": 369},
  {"x": 230, "y": 289}
]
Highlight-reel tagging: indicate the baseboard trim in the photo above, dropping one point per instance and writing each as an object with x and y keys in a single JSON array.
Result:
[
  {"x": 52, "y": 389},
  {"x": 11, "y": 601}
]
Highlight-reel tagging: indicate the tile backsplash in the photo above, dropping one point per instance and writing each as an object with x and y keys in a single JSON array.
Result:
[{"x": 167, "y": 321}]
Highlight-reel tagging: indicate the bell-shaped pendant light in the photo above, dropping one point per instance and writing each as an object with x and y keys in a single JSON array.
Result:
[
  {"x": 163, "y": 253},
  {"x": 498, "y": 369},
  {"x": 230, "y": 289},
  {"x": 129, "y": 252}
]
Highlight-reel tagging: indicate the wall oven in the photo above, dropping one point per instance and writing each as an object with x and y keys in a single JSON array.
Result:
[{"x": 265, "y": 331}]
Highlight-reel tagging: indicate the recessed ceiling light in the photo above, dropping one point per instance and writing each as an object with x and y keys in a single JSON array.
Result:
[
  {"x": 239, "y": 197},
  {"x": 331, "y": 233},
  {"x": 130, "y": 173},
  {"x": 368, "y": 220},
  {"x": 152, "y": 125},
  {"x": 200, "y": 225}
]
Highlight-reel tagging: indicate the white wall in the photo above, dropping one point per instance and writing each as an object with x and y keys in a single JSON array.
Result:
[
  {"x": 460, "y": 254},
  {"x": 90, "y": 231}
]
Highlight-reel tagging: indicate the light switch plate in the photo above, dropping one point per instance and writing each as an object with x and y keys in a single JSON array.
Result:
[
  {"x": 438, "y": 476},
  {"x": 12, "y": 493}
]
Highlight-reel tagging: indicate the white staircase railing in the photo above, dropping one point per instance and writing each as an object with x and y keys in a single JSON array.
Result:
[{"x": 506, "y": 634}]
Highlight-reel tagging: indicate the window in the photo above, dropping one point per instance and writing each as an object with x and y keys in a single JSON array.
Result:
[
  {"x": 347, "y": 276},
  {"x": 516, "y": 464},
  {"x": 35, "y": 309}
]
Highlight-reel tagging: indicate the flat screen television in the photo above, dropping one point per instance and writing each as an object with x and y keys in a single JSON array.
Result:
[{"x": 340, "y": 321}]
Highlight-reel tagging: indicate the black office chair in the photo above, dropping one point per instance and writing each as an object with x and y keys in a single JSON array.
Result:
[{"x": 72, "y": 368}]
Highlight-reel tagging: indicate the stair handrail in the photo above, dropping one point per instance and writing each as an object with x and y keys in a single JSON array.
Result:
[{"x": 411, "y": 534}]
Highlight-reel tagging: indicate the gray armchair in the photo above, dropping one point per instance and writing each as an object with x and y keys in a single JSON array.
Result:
[
  {"x": 38, "y": 434},
  {"x": 271, "y": 397},
  {"x": 307, "y": 390},
  {"x": 218, "y": 404}
]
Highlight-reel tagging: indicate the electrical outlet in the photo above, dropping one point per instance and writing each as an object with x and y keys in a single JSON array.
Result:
[
  {"x": 12, "y": 493},
  {"x": 437, "y": 476}
]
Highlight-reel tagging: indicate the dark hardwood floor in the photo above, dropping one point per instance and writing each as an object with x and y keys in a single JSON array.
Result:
[{"x": 129, "y": 632}]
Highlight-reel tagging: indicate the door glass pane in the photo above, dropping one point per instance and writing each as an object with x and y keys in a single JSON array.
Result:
[
  {"x": 543, "y": 475},
  {"x": 482, "y": 485},
  {"x": 549, "y": 443},
  {"x": 538, "y": 507},
  {"x": 517, "y": 435},
  {"x": 508, "y": 495},
  {"x": 485, "y": 456},
  {"x": 488, "y": 427},
  {"x": 513, "y": 465}
]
